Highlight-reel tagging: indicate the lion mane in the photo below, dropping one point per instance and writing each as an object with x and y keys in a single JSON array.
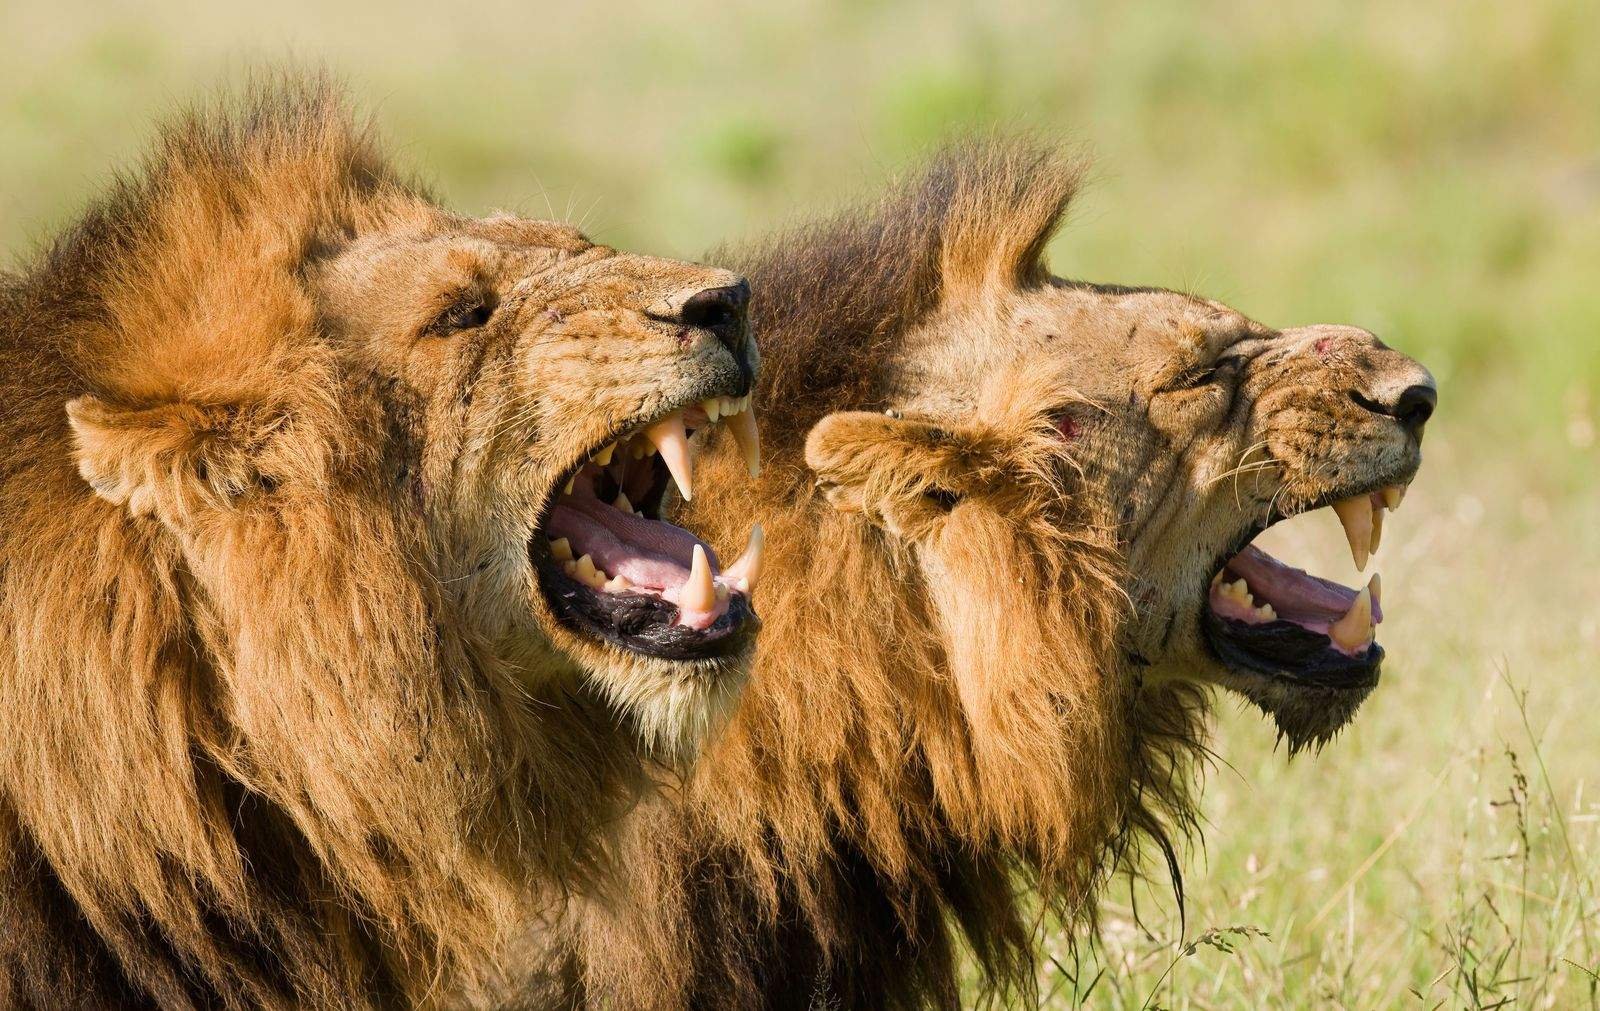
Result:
[
  {"x": 279, "y": 776},
  {"x": 929, "y": 759}
]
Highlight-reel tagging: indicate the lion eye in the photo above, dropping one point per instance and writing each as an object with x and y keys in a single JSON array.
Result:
[
  {"x": 1220, "y": 369},
  {"x": 467, "y": 315}
]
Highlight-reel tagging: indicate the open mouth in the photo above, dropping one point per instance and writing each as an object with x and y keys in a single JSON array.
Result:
[
  {"x": 1272, "y": 618},
  {"x": 611, "y": 566}
]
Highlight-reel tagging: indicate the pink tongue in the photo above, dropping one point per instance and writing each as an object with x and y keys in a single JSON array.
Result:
[
  {"x": 1294, "y": 594},
  {"x": 645, "y": 552}
]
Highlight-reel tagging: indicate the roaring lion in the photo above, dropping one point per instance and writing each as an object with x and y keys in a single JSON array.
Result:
[
  {"x": 338, "y": 612},
  {"x": 1011, "y": 519}
]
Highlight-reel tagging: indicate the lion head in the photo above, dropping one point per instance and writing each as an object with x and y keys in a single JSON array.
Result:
[
  {"x": 322, "y": 597},
  {"x": 1009, "y": 517},
  {"x": 1186, "y": 427}
]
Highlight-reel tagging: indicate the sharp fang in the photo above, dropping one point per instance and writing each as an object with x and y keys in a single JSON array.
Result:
[
  {"x": 622, "y": 503},
  {"x": 603, "y": 457},
  {"x": 667, "y": 435},
  {"x": 561, "y": 549},
  {"x": 745, "y": 573},
  {"x": 713, "y": 408},
  {"x": 1377, "y": 527},
  {"x": 743, "y": 426},
  {"x": 570, "y": 482},
  {"x": 1355, "y": 514},
  {"x": 1376, "y": 586},
  {"x": 698, "y": 594},
  {"x": 1393, "y": 495},
  {"x": 1353, "y": 632}
]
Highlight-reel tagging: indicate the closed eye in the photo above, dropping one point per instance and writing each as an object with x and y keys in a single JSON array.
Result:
[
  {"x": 1219, "y": 370},
  {"x": 467, "y": 313}
]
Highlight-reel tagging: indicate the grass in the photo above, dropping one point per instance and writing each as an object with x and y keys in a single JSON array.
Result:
[{"x": 1430, "y": 170}]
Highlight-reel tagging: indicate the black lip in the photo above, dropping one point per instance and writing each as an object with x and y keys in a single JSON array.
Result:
[
  {"x": 643, "y": 623},
  {"x": 1289, "y": 653}
]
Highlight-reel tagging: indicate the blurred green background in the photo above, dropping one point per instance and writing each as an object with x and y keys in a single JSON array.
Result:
[{"x": 1429, "y": 170}]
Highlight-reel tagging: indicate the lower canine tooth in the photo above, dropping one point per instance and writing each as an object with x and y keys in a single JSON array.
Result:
[
  {"x": 1355, "y": 515},
  {"x": 1354, "y": 630},
  {"x": 746, "y": 572},
  {"x": 698, "y": 594},
  {"x": 623, "y": 503}
]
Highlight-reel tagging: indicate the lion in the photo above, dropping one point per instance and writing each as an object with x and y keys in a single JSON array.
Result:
[
  {"x": 1011, "y": 519},
  {"x": 340, "y": 618}
]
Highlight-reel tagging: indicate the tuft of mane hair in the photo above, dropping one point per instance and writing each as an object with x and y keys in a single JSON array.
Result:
[
  {"x": 288, "y": 781},
  {"x": 920, "y": 766}
]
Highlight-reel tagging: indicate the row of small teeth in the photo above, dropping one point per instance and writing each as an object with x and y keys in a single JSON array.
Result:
[
  {"x": 670, "y": 438},
  {"x": 1352, "y": 633},
  {"x": 699, "y": 593},
  {"x": 1362, "y": 519},
  {"x": 1238, "y": 591}
]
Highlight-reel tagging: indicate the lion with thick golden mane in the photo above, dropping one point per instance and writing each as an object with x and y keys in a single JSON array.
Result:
[
  {"x": 1011, "y": 520},
  {"x": 304, "y": 700}
]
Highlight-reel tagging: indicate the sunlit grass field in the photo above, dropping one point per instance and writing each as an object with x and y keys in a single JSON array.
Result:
[{"x": 1430, "y": 170}]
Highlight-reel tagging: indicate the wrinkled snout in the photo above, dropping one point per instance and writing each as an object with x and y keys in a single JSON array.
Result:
[{"x": 1380, "y": 380}]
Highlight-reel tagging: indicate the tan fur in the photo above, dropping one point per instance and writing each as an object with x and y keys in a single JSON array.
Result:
[
  {"x": 287, "y": 722},
  {"x": 992, "y": 513}
]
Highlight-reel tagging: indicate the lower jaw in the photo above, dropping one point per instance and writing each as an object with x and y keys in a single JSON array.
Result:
[
  {"x": 646, "y": 625},
  {"x": 1290, "y": 654}
]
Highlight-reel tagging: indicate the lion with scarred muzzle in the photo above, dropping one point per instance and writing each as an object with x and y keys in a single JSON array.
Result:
[
  {"x": 303, "y": 703},
  {"x": 1011, "y": 519}
]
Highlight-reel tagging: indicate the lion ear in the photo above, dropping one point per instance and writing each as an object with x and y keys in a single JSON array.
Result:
[
  {"x": 904, "y": 474},
  {"x": 169, "y": 461}
]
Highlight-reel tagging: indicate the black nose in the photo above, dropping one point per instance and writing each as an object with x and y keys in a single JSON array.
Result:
[
  {"x": 1412, "y": 408},
  {"x": 1415, "y": 406},
  {"x": 720, "y": 310}
]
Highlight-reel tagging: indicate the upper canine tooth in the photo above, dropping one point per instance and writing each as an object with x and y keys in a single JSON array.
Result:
[
  {"x": 603, "y": 457},
  {"x": 746, "y": 572},
  {"x": 1355, "y": 514},
  {"x": 1354, "y": 630},
  {"x": 668, "y": 437},
  {"x": 713, "y": 408},
  {"x": 1377, "y": 527},
  {"x": 698, "y": 594},
  {"x": 570, "y": 482},
  {"x": 743, "y": 426}
]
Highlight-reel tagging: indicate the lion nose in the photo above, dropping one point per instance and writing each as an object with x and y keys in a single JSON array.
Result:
[
  {"x": 1412, "y": 406},
  {"x": 720, "y": 310}
]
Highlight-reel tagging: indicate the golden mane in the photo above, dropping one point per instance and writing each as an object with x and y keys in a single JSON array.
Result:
[
  {"x": 937, "y": 720},
  {"x": 278, "y": 776}
]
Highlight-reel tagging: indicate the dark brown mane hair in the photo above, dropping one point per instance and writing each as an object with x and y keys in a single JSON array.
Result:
[{"x": 893, "y": 792}]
